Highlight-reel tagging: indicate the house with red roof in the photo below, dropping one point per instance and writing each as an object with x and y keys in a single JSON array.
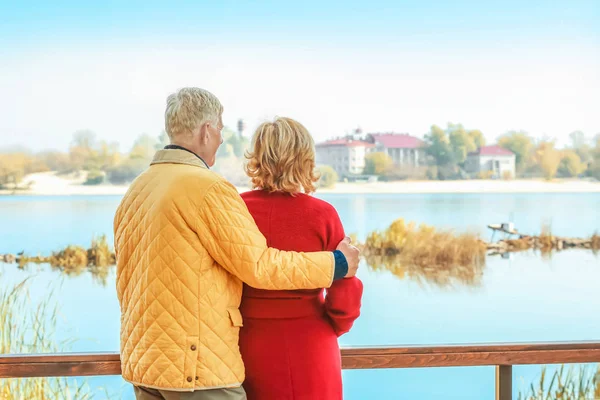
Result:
[
  {"x": 345, "y": 155},
  {"x": 403, "y": 149},
  {"x": 495, "y": 159}
]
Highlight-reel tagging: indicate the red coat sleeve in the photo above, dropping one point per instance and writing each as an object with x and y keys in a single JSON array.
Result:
[{"x": 343, "y": 298}]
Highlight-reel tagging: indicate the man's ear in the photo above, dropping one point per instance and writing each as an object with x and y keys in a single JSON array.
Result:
[{"x": 204, "y": 134}]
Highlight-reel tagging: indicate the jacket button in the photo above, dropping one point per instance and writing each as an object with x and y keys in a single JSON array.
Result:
[
  {"x": 193, "y": 347},
  {"x": 196, "y": 378},
  {"x": 189, "y": 378}
]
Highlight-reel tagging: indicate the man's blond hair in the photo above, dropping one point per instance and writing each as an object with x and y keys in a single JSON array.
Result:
[
  {"x": 188, "y": 109},
  {"x": 282, "y": 157}
]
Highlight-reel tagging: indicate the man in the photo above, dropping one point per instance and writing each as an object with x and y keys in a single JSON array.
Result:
[{"x": 185, "y": 242}]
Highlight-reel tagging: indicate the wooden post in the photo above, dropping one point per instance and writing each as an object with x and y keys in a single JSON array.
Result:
[{"x": 503, "y": 382}]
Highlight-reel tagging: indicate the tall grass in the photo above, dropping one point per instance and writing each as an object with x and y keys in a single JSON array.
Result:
[
  {"x": 568, "y": 384},
  {"x": 30, "y": 328},
  {"x": 547, "y": 243},
  {"x": 546, "y": 239},
  {"x": 74, "y": 260},
  {"x": 426, "y": 246},
  {"x": 595, "y": 242},
  {"x": 426, "y": 254}
]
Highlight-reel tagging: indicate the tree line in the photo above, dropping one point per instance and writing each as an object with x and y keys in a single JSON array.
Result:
[
  {"x": 102, "y": 162},
  {"x": 447, "y": 151}
]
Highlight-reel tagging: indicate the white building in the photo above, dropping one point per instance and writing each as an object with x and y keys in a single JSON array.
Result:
[
  {"x": 346, "y": 156},
  {"x": 403, "y": 149},
  {"x": 500, "y": 161}
]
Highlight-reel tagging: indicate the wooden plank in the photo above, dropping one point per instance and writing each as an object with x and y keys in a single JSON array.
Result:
[
  {"x": 39, "y": 369},
  {"x": 471, "y": 348},
  {"x": 504, "y": 382},
  {"x": 58, "y": 357},
  {"x": 498, "y": 227},
  {"x": 469, "y": 359},
  {"x": 65, "y": 364},
  {"x": 77, "y": 364}
]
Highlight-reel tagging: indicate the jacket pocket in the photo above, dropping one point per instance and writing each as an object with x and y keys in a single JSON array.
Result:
[{"x": 236, "y": 316}]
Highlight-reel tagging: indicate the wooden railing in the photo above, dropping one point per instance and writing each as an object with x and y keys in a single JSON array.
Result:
[{"x": 502, "y": 356}]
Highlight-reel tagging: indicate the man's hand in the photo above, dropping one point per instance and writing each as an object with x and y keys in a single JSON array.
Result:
[{"x": 351, "y": 253}]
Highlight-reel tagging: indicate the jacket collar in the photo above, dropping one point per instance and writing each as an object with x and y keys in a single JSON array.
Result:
[{"x": 178, "y": 156}]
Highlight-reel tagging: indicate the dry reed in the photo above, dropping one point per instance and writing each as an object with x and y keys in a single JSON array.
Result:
[
  {"x": 426, "y": 247},
  {"x": 566, "y": 385},
  {"x": 73, "y": 260},
  {"x": 546, "y": 243},
  {"x": 31, "y": 329},
  {"x": 595, "y": 239}
]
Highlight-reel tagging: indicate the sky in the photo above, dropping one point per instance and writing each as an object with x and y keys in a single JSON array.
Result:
[{"x": 333, "y": 65}]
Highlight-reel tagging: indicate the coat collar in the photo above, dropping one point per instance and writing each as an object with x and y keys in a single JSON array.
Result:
[{"x": 178, "y": 156}]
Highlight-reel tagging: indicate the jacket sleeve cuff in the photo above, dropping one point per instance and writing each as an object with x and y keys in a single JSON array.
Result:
[{"x": 341, "y": 265}]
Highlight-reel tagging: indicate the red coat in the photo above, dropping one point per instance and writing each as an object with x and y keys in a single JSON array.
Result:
[{"x": 289, "y": 339}]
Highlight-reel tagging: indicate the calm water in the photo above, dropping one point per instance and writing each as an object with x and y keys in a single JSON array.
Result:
[{"x": 524, "y": 298}]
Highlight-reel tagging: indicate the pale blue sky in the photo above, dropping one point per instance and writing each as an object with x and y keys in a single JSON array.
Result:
[{"x": 383, "y": 65}]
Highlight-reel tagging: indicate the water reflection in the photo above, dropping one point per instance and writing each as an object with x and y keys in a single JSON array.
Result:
[
  {"x": 442, "y": 276},
  {"x": 444, "y": 258},
  {"x": 421, "y": 253},
  {"x": 73, "y": 260},
  {"x": 99, "y": 274}
]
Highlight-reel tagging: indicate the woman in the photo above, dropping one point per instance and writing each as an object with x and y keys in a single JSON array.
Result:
[{"x": 289, "y": 339}]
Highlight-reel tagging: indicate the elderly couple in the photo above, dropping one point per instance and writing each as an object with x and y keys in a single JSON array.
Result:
[{"x": 219, "y": 291}]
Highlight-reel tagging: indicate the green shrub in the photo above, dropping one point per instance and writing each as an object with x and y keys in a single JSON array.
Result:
[
  {"x": 377, "y": 163},
  {"x": 594, "y": 170},
  {"x": 448, "y": 172},
  {"x": 328, "y": 176},
  {"x": 126, "y": 171},
  {"x": 432, "y": 173},
  {"x": 570, "y": 164},
  {"x": 94, "y": 177},
  {"x": 485, "y": 175},
  {"x": 405, "y": 173}
]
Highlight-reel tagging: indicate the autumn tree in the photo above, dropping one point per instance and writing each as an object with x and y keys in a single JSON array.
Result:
[
  {"x": 55, "y": 160},
  {"x": 106, "y": 155},
  {"x": 594, "y": 170},
  {"x": 233, "y": 144},
  {"x": 461, "y": 142},
  {"x": 519, "y": 143},
  {"x": 570, "y": 164},
  {"x": 81, "y": 152},
  {"x": 327, "y": 176},
  {"x": 548, "y": 158},
  {"x": 163, "y": 140},
  {"x": 477, "y": 137},
  {"x": 143, "y": 147},
  {"x": 377, "y": 163},
  {"x": 14, "y": 166},
  {"x": 438, "y": 146}
]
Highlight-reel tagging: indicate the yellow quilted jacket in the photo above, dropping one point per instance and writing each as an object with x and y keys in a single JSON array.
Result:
[{"x": 185, "y": 242}]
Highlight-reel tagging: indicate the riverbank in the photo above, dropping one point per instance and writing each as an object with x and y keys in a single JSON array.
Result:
[
  {"x": 469, "y": 186},
  {"x": 49, "y": 184}
]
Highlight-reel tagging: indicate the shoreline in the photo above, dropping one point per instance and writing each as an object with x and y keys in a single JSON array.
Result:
[
  {"x": 468, "y": 187},
  {"x": 47, "y": 184}
]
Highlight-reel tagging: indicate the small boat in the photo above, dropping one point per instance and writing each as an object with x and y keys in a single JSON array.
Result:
[{"x": 508, "y": 228}]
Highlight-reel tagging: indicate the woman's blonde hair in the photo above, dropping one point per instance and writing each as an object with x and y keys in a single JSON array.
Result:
[{"x": 282, "y": 158}]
